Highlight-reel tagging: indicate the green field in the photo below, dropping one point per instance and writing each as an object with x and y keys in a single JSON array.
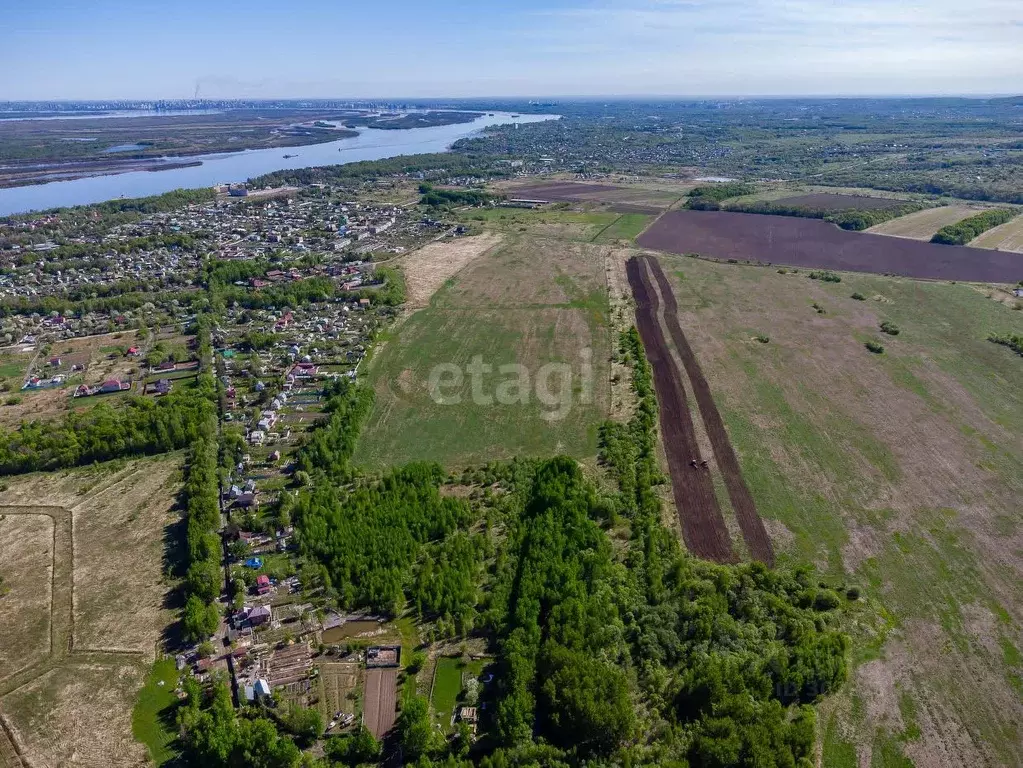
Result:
[
  {"x": 152, "y": 721},
  {"x": 585, "y": 226},
  {"x": 900, "y": 474},
  {"x": 447, "y": 684},
  {"x": 536, "y": 303}
]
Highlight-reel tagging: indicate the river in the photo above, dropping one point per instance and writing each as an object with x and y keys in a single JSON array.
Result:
[{"x": 370, "y": 144}]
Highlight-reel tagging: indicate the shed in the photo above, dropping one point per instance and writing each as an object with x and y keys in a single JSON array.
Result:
[
  {"x": 262, "y": 688},
  {"x": 254, "y": 562}
]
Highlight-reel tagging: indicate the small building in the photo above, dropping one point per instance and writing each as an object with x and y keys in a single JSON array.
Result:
[
  {"x": 163, "y": 386},
  {"x": 254, "y": 562},
  {"x": 111, "y": 385},
  {"x": 261, "y": 614},
  {"x": 246, "y": 500},
  {"x": 262, "y": 688},
  {"x": 1017, "y": 292},
  {"x": 263, "y": 587}
]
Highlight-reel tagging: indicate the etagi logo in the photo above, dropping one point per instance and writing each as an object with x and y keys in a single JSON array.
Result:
[{"x": 555, "y": 385}]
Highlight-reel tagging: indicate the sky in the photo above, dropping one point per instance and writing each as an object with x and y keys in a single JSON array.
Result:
[{"x": 146, "y": 49}]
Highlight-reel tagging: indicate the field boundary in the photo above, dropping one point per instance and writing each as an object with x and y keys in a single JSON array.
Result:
[{"x": 750, "y": 523}]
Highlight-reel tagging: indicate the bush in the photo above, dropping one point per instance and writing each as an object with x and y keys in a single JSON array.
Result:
[
  {"x": 853, "y": 593},
  {"x": 762, "y": 338},
  {"x": 1010, "y": 340},
  {"x": 819, "y": 308},
  {"x": 890, "y": 328},
  {"x": 858, "y": 297},
  {"x": 874, "y": 347},
  {"x": 13, "y": 400},
  {"x": 825, "y": 275}
]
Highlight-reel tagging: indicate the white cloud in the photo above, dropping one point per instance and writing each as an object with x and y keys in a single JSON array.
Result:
[{"x": 789, "y": 46}]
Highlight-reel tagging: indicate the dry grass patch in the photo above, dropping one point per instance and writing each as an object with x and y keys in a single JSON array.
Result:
[
  {"x": 121, "y": 511},
  {"x": 26, "y": 561},
  {"x": 427, "y": 269},
  {"x": 923, "y": 224},
  {"x": 79, "y": 714},
  {"x": 1005, "y": 237}
]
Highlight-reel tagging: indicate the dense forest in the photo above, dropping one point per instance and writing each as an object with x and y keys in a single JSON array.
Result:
[
  {"x": 138, "y": 426},
  {"x": 605, "y": 656}
]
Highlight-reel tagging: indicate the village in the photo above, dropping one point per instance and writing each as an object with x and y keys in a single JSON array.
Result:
[{"x": 110, "y": 313}]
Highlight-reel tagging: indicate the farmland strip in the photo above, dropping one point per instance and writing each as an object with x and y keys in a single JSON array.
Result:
[
  {"x": 703, "y": 526},
  {"x": 752, "y": 526},
  {"x": 820, "y": 245}
]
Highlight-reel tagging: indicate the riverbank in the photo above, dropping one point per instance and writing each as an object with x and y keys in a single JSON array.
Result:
[{"x": 211, "y": 169}]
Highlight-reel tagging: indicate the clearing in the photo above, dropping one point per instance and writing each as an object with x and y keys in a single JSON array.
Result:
[
  {"x": 105, "y": 529},
  {"x": 923, "y": 224},
  {"x": 535, "y": 303},
  {"x": 1004, "y": 237},
  {"x": 898, "y": 473}
]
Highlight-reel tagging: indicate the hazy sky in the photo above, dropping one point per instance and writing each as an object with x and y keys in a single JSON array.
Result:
[{"x": 279, "y": 48}]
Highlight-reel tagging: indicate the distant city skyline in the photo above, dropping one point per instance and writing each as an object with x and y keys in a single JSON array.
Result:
[{"x": 109, "y": 49}]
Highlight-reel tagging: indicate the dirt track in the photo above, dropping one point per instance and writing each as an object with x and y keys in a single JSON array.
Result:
[
  {"x": 752, "y": 526},
  {"x": 815, "y": 243},
  {"x": 703, "y": 526}
]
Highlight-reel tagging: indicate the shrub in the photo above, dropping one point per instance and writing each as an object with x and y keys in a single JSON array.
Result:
[
  {"x": 853, "y": 593},
  {"x": 825, "y": 275},
  {"x": 874, "y": 347},
  {"x": 859, "y": 297},
  {"x": 819, "y": 308},
  {"x": 890, "y": 328},
  {"x": 13, "y": 400},
  {"x": 762, "y": 338}
]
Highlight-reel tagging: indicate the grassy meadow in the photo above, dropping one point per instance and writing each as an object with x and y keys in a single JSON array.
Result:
[
  {"x": 899, "y": 474},
  {"x": 532, "y": 302}
]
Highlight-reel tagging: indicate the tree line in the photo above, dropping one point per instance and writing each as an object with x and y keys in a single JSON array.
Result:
[
  {"x": 966, "y": 230},
  {"x": 853, "y": 219}
]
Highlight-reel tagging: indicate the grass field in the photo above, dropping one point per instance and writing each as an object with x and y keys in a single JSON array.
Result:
[
  {"x": 104, "y": 594},
  {"x": 532, "y": 302},
  {"x": 923, "y": 224},
  {"x": 152, "y": 720},
  {"x": 1005, "y": 237},
  {"x": 898, "y": 473},
  {"x": 569, "y": 225},
  {"x": 447, "y": 684}
]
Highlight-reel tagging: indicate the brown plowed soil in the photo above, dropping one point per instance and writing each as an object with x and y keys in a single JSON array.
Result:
[
  {"x": 381, "y": 688},
  {"x": 752, "y": 526},
  {"x": 617, "y": 199},
  {"x": 703, "y": 526},
  {"x": 815, "y": 243},
  {"x": 827, "y": 202}
]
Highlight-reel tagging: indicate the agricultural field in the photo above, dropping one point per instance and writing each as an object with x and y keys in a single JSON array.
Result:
[
  {"x": 558, "y": 223},
  {"x": 380, "y": 699},
  {"x": 922, "y": 225},
  {"x": 898, "y": 474},
  {"x": 620, "y": 199},
  {"x": 1005, "y": 237},
  {"x": 90, "y": 545},
  {"x": 531, "y": 302},
  {"x": 829, "y": 201},
  {"x": 817, "y": 244},
  {"x": 340, "y": 688}
]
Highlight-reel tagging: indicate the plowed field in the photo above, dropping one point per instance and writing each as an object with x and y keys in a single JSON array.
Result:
[
  {"x": 818, "y": 244},
  {"x": 752, "y": 526},
  {"x": 703, "y": 526}
]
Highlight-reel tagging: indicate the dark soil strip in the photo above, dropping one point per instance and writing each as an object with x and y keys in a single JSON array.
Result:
[
  {"x": 818, "y": 244},
  {"x": 752, "y": 526},
  {"x": 703, "y": 526}
]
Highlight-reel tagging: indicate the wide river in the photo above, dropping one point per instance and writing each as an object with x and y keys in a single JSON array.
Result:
[{"x": 370, "y": 144}]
